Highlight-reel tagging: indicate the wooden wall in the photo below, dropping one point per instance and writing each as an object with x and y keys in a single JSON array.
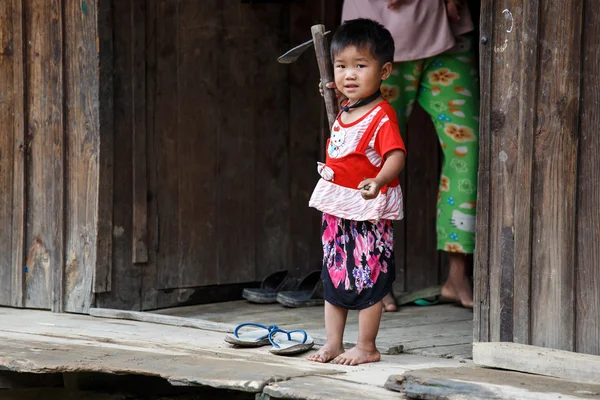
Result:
[
  {"x": 214, "y": 150},
  {"x": 49, "y": 140},
  {"x": 538, "y": 250},
  {"x": 157, "y": 154}
]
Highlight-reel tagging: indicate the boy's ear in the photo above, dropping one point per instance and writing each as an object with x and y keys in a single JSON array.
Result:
[{"x": 386, "y": 70}]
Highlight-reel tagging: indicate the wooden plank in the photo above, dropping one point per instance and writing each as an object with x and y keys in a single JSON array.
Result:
[
  {"x": 537, "y": 360},
  {"x": 235, "y": 211},
  {"x": 166, "y": 136},
  {"x": 481, "y": 383},
  {"x": 19, "y": 201},
  {"x": 317, "y": 388},
  {"x": 45, "y": 180},
  {"x": 140, "y": 183},
  {"x": 507, "y": 255},
  {"x": 307, "y": 119},
  {"x": 82, "y": 124},
  {"x": 7, "y": 150},
  {"x": 271, "y": 127},
  {"x": 527, "y": 30},
  {"x": 125, "y": 291},
  {"x": 182, "y": 369},
  {"x": 555, "y": 163},
  {"x": 422, "y": 182},
  {"x": 504, "y": 115},
  {"x": 588, "y": 196},
  {"x": 481, "y": 267},
  {"x": 149, "y": 274},
  {"x": 104, "y": 242},
  {"x": 161, "y": 319}
]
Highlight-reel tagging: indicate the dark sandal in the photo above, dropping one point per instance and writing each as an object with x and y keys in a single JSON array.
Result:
[
  {"x": 308, "y": 293},
  {"x": 269, "y": 287}
]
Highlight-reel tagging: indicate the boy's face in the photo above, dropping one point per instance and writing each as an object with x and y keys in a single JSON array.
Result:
[{"x": 357, "y": 73}]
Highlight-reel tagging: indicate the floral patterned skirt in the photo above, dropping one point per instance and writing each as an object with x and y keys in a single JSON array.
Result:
[{"x": 358, "y": 261}]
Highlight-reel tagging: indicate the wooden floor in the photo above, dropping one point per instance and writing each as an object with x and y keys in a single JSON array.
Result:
[
  {"x": 442, "y": 330},
  {"x": 44, "y": 342}
]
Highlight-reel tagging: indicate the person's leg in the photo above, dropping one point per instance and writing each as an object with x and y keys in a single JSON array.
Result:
[
  {"x": 335, "y": 322},
  {"x": 450, "y": 94},
  {"x": 400, "y": 89},
  {"x": 365, "y": 350}
]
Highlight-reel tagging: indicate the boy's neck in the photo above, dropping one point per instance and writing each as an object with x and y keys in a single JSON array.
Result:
[{"x": 354, "y": 114}]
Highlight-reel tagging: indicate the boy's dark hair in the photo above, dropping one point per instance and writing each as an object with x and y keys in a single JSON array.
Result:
[{"x": 364, "y": 32}]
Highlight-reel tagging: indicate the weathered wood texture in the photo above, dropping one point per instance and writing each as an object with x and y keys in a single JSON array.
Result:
[
  {"x": 82, "y": 131},
  {"x": 536, "y": 360},
  {"x": 482, "y": 383},
  {"x": 587, "y": 329},
  {"x": 49, "y": 146},
  {"x": 156, "y": 148},
  {"x": 12, "y": 155},
  {"x": 537, "y": 172}
]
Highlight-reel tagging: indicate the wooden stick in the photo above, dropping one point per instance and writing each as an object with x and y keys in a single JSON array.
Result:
[{"x": 325, "y": 70}]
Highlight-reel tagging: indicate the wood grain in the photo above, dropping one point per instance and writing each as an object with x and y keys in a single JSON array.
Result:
[
  {"x": 46, "y": 142},
  {"x": 482, "y": 260},
  {"x": 82, "y": 131},
  {"x": 587, "y": 329},
  {"x": 555, "y": 164}
]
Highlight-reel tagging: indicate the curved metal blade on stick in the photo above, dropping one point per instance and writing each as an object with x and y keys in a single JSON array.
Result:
[{"x": 292, "y": 55}]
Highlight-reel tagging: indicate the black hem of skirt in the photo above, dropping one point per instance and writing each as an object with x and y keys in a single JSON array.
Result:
[{"x": 372, "y": 301}]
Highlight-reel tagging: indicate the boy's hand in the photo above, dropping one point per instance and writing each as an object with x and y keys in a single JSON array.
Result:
[
  {"x": 452, "y": 8},
  {"x": 331, "y": 85},
  {"x": 369, "y": 188}
]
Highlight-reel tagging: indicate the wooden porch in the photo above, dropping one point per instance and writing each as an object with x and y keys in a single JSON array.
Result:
[{"x": 74, "y": 354}]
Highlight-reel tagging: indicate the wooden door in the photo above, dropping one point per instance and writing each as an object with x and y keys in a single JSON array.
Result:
[{"x": 538, "y": 264}]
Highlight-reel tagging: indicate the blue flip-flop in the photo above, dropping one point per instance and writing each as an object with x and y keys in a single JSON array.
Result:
[
  {"x": 254, "y": 338},
  {"x": 286, "y": 345}
]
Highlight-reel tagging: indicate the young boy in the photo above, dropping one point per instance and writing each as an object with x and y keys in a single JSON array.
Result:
[{"x": 359, "y": 192}]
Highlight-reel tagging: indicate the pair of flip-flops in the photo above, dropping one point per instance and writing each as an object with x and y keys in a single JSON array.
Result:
[
  {"x": 279, "y": 288},
  {"x": 285, "y": 343}
]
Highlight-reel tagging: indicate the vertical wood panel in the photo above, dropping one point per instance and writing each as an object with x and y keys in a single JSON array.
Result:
[
  {"x": 555, "y": 163},
  {"x": 588, "y": 218},
  {"x": 149, "y": 273},
  {"x": 526, "y": 30},
  {"x": 167, "y": 196},
  {"x": 104, "y": 242},
  {"x": 481, "y": 303},
  {"x": 140, "y": 183},
  {"x": 200, "y": 100},
  {"x": 422, "y": 180},
  {"x": 237, "y": 142},
  {"x": 126, "y": 277},
  {"x": 503, "y": 116},
  {"x": 304, "y": 142},
  {"x": 81, "y": 71},
  {"x": 7, "y": 156},
  {"x": 45, "y": 180},
  {"x": 19, "y": 203},
  {"x": 271, "y": 127}
]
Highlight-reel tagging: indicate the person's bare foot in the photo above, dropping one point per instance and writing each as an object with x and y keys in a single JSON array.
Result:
[
  {"x": 357, "y": 356},
  {"x": 389, "y": 303},
  {"x": 465, "y": 294},
  {"x": 449, "y": 293},
  {"x": 457, "y": 287},
  {"x": 326, "y": 353}
]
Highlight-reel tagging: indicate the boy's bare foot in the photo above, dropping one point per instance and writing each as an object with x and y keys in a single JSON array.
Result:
[
  {"x": 356, "y": 356},
  {"x": 326, "y": 353},
  {"x": 389, "y": 303}
]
